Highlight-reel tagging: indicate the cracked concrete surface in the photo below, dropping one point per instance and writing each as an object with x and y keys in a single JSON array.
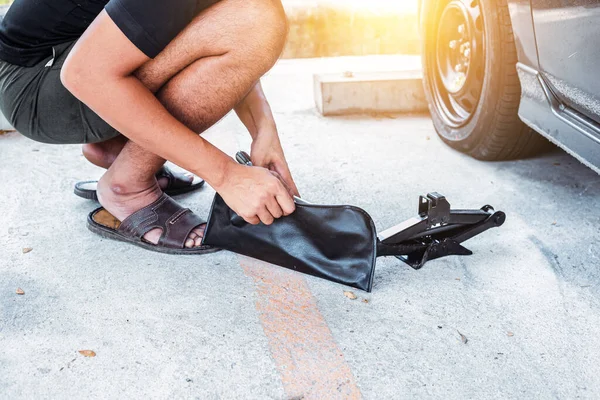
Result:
[{"x": 199, "y": 327}]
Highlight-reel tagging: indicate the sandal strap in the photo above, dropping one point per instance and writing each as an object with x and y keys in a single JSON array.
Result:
[
  {"x": 165, "y": 213},
  {"x": 179, "y": 227}
]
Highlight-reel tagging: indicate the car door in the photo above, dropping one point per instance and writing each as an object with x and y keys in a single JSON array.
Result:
[{"x": 568, "y": 41}]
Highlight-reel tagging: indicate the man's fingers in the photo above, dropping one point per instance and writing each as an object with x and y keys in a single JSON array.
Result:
[
  {"x": 252, "y": 220},
  {"x": 274, "y": 208},
  {"x": 286, "y": 203},
  {"x": 283, "y": 196},
  {"x": 285, "y": 185},
  {"x": 286, "y": 176},
  {"x": 292, "y": 185},
  {"x": 265, "y": 216},
  {"x": 275, "y": 200},
  {"x": 281, "y": 180}
]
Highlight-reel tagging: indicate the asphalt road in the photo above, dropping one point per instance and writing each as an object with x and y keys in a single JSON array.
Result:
[{"x": 527, "y": 302}]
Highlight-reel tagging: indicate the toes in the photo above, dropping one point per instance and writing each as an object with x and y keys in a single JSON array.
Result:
[
  {"x": 195, "y": 237},
  {"x": 199, "y": 232}
]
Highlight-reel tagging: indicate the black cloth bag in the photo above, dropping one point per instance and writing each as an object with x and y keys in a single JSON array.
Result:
[
  {"x": 340, "y": 244},
  {"x": 337, "y": 243}
]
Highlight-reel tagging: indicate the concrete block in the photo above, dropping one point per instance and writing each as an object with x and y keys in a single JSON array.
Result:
[{"x": 369, "y": 92}]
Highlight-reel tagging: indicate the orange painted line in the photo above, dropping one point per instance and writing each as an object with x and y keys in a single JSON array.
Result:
[{"x": 307, "y": 357}]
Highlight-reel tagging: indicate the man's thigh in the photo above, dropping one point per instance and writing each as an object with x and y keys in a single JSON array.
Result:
[{"x": 255, "y": 30}]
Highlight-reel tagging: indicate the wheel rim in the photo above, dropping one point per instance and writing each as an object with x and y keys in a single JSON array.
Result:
[{"x": 457, "y": 62}]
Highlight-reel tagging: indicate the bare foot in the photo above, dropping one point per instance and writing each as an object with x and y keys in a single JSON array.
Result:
[{"x": 121, "y": 204}]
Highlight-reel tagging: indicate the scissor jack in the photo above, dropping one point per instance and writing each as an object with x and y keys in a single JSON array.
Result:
[{"x": 438, "y": 231}]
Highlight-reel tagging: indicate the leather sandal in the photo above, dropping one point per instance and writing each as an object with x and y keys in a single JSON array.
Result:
[
  {"x": 175, "y": 221},
  {"x": 176, "y": 185}
]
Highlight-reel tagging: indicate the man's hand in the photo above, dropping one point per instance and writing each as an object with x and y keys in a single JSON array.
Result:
[
  {"x": 256, "y": 194},
  {"x": 266, "y": 152}
]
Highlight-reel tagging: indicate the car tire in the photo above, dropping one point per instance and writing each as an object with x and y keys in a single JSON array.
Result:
[{"x": 479, "y": 118}]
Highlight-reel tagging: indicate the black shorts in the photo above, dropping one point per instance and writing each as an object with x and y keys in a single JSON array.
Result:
[{"x": 36, "y": 103}]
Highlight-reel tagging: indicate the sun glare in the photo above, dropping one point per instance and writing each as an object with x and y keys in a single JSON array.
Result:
[{"x": 408, "y": 6}]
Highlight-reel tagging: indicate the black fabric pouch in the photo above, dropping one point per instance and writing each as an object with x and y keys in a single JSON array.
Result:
[
  {"x": 340, "y": 244},
  {"x": 337, "y": 243}
]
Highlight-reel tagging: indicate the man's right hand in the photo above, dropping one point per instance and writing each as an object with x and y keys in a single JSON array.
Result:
[{"x": 256, "y": 194}]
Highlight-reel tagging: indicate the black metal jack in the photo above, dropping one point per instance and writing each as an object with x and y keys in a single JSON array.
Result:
[{"x": 437, "y": 232}]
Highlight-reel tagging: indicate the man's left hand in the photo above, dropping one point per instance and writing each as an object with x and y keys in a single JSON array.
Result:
[{"x": 266, "y": 152}]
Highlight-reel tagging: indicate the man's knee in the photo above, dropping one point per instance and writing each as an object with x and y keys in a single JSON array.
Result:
[
  {"x": 268, "y": 32},
  {"x": 251, "y": 33},
  {"x": 278, "y": 28}
]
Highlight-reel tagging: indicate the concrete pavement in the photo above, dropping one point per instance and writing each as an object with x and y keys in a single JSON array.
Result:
[{"x": 222, "y": 326}]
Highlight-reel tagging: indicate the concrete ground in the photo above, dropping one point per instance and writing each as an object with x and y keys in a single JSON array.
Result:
[{"x": 221, "y": 326}]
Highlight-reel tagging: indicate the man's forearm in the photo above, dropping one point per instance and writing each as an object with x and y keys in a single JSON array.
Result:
[
  {"x": 255, "y": 113},
  {"x": 153, "y": 127},
  {"x": 266, "y": 151}
]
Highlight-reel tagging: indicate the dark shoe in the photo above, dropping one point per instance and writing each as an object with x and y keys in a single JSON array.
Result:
[
  {"x": 175, "y": 221},
  {"x": 175, "y": 186}
]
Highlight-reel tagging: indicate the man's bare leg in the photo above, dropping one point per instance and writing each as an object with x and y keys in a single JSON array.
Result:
[
  {"x": 199, "y": 77},
  {"x": 103, "y": 155}
]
